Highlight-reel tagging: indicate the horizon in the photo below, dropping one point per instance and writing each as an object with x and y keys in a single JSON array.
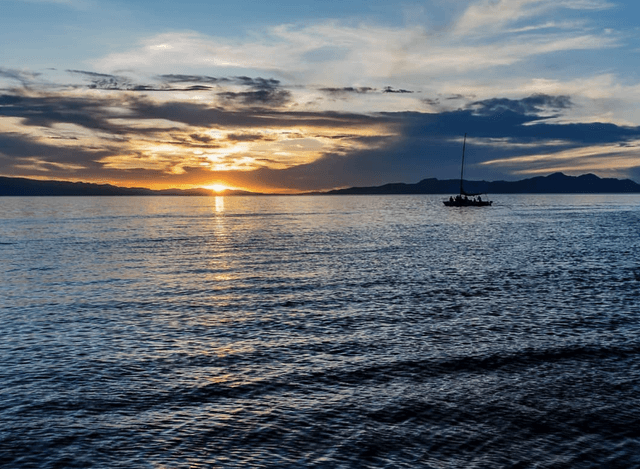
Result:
[
  {"x": 219, "y": 190},
  {"x": 301, "y": 97}
]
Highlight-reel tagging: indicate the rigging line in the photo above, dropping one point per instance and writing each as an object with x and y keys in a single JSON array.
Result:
[{"x": 464, "y": 143}]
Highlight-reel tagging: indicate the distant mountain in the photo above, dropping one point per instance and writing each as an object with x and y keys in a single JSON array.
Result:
[
  {"x": 556, "y": 183},
  {"x": 33, "y": 187}
]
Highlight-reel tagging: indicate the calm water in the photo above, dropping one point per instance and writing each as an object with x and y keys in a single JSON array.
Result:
[{"x": 320, "y": 332}]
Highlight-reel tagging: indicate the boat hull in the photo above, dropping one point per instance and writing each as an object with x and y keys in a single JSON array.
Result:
[{"x": 467, "y": 203}]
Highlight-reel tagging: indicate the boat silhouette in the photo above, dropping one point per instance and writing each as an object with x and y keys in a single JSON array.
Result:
[{"x": 462, "y": 199}]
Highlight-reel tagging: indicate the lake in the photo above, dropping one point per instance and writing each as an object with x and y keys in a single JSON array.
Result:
[{"x": 320, "y": 331}]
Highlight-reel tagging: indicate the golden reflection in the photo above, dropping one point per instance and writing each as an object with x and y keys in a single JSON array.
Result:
[{"x": 219, "y": 204}]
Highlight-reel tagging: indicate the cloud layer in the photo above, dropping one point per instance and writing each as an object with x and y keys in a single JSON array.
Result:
[{"x": 332, "y": 104}]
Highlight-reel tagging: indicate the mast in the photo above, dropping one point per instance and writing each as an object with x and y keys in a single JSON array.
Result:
[{"x": 464, "y": 143}]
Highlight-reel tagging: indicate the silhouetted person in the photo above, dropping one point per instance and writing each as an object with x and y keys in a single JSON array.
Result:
[{"x": 479, "y": 199}]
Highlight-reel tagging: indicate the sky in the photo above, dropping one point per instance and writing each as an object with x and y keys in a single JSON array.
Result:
[{"x": 288, "y": 96}]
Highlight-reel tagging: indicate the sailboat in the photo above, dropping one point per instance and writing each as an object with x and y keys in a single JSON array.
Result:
[{"x": 462, "y": 199}]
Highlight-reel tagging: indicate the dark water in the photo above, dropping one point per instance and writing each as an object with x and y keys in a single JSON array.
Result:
[{"x": 320, "y": 332}]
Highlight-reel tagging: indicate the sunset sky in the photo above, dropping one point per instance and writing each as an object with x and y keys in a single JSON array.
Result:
[{"x": 310, "y": 95}]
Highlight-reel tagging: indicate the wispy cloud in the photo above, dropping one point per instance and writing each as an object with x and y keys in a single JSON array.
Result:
[
  {"x": 23, "y": 76},
  {"x": 612, "y": 160},
  {"x": 374, "y": 53},
  {"x": 489, "y": 17}
]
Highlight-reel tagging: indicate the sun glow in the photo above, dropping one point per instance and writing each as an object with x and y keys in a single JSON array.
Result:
[{"x": 217, "y": 187}]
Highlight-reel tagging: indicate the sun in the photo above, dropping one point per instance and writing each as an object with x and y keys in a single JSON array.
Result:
[{"x": 217, "y": 187}]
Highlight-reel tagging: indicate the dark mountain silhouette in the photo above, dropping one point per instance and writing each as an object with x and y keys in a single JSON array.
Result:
[
  {"x": 34, "y": 187},
  {"x": 556, "y": 183}
]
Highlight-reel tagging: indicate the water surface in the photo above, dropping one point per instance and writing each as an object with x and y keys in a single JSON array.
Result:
[{"x": 332, "y": 331}]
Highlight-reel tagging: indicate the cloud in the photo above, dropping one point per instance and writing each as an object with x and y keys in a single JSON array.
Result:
[
  {"x": 347, "y": 90},
  {"x": 377, "y": 54},
  {"x": 109, "y": 82},
  {"x": 21, "y": 150},
  {"x": 108, "y": 136},
  {"x": 45, "y": 111},
  {"x": 177, "y": 78},
  {"x": 530, "y": 105},
  {"x": 329, "y": 104},
  {"x": 24, "y": 77},
  {"x": 246, "y": 137},
  {"x": 264, "y": 92},
  {"x": 491, "y": 16},
  {"x": 613, "y": 160},
  {"x": 389, "y": 89}
]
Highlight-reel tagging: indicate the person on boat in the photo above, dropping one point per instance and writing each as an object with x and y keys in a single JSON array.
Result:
[
  {"x": 479, "y": 199},
  {"x": 450, "y": 199}
]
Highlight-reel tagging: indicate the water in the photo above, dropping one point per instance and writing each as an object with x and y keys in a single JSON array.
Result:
[{"x": 320, "y": 332}]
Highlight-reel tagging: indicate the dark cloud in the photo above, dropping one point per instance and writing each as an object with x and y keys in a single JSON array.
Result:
[
  {"x": 453, "y": 97},
  {"x": 347, "y": 90},
  {"x": 17, "y": 150},
  {"x": 520, "y": 121},
  {"x": 267, "y": 160},
  {"x": 192, "y": 79},
  {"x": 258, "y": 83},
  {"x": 201, "y": 138},
  {"x": 188, "y": 142},
  {"x": 162, "y": 88},
  {"x": 531, "y": 105},
  {"x": 265, "y": 92},
  {"x": 104, "y": 81},
  {"x": 247, "y": 137},
  {"x": 266, "y": 97},
  {"x": 201, "y": 115},
  {"x": 388, "y": 89},
  {"x": 93, "y": 75},
  {"x": 44, "y": 111}
]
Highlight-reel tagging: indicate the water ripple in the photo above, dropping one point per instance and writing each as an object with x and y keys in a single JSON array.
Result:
[{"x": 320, "y": 332}]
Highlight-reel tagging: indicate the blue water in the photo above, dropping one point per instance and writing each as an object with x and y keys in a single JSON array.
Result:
[{"x": 322, "y": 332}]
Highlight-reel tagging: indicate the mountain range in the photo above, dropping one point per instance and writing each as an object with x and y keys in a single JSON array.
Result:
[
  {"x": 556, "y": 183},
  {"x": 34, "y": 187}
]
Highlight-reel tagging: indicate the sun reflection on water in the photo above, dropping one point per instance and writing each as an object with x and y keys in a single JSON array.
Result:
[{"x": 219, "y": 204}]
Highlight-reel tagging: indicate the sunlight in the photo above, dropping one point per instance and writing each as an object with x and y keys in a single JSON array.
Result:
[{"x": 217, "y": 187}]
